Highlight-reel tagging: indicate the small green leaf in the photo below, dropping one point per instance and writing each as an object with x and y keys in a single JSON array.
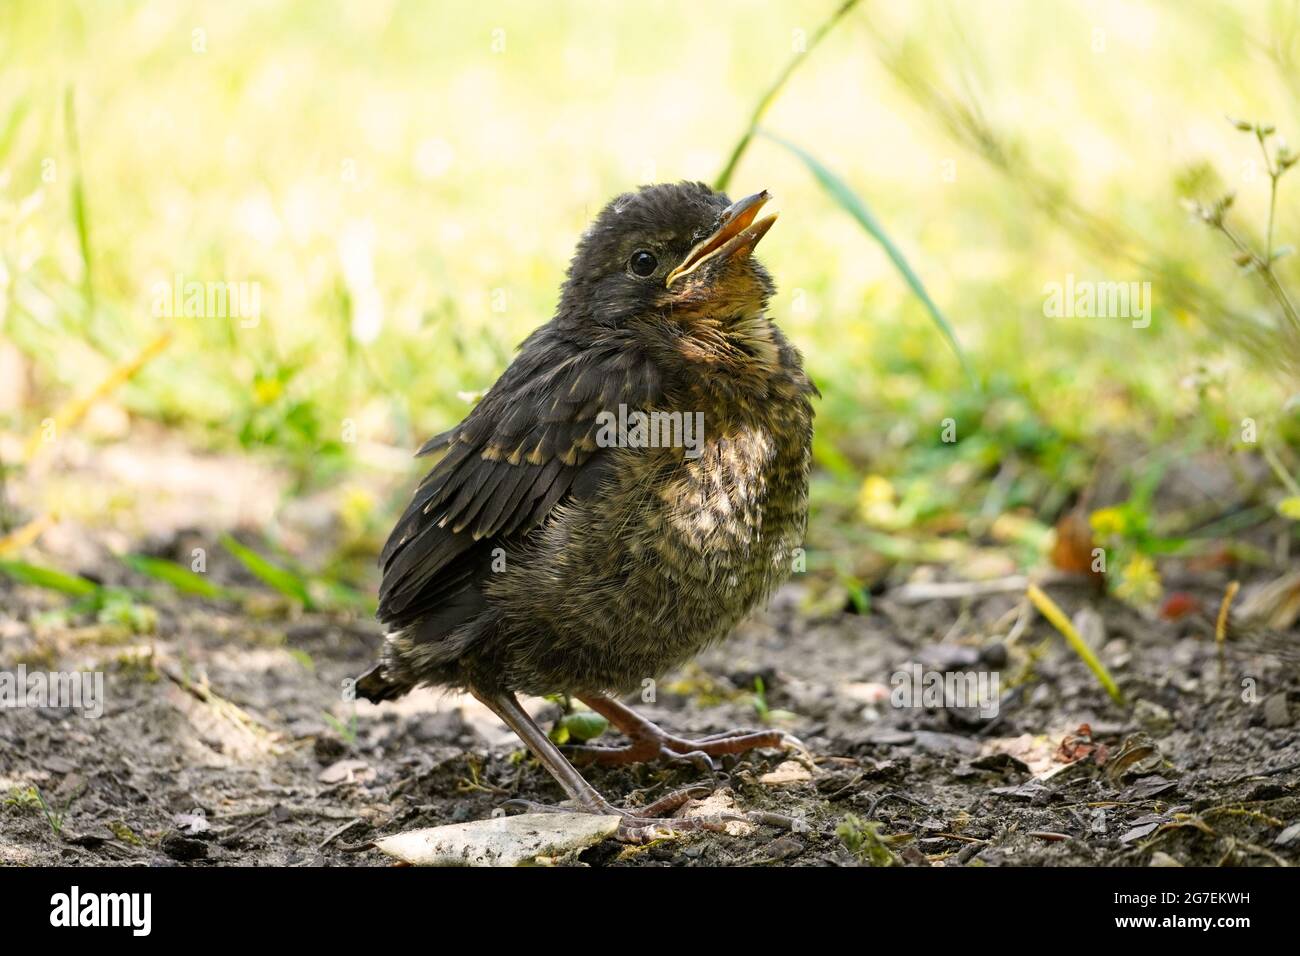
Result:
[
  {"x": 848, "y": 200},
  {"x": 178, "y": 576},
  {"x": 303, "y": 658},
  {"x": 581, "y": 725},
  {"x": 859, "y": 595},
  {"x": 347, "y": 729},
  {"x": 121, "y": 609},
  {"x": 1290, "y": 507},
  {"x": 760, "y": 698},
  {"x": 272, "y": 575},
  {"x": 49, "y": 578}
]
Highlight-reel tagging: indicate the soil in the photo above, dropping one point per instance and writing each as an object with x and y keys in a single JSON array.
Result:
[
  {"x": 225, "y": 738},
  {"x": 166, "y": 776}
]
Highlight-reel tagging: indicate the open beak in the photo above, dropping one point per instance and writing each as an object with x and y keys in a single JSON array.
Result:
[{"x": 737, "y": 234}]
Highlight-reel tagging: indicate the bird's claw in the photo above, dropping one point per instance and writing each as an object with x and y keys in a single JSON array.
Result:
[
  {"x": 696, "y": 758},
  {"x": 800, "y": 749},
  {"x": 635, "y": 829}
]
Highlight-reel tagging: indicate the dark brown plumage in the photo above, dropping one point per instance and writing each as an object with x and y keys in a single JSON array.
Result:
[{"x": 538, "y": 556}]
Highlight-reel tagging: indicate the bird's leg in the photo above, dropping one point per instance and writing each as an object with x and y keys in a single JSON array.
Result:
[
  {"x": 648, "y": 741},
  {"x": 506, "y": 707},
  {"x": 636, "y": 826}
]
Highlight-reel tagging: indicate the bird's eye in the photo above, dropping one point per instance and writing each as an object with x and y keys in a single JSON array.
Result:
[{"x": 643, "y": 263}]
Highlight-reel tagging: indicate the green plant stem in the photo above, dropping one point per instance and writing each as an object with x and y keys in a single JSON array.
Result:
[
  {"x": 1272, "y": 209},
  {"x": 724, "y": 178},
  {"x": 1266, "y": 271},
  {"x": 1273, "y": 174},
  {"x": 1279, "y": 469}
]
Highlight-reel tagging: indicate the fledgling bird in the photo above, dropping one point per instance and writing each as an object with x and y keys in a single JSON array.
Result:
[{"x": 550, "y": 551}]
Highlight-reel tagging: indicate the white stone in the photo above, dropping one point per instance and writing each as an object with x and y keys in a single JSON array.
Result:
[{"x": 500, "y": 841}]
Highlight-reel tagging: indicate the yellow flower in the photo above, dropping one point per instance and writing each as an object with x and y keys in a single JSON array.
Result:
[
  {"x": 355, "y": 508},
  {"x": 1108, "y": 521},
  {"x": 267, "y": 390},
  {"x": 1140, "y": 581},
  {"x": 876, "y": 501}
]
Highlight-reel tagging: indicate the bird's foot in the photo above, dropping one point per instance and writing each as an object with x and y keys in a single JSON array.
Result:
[
  {"x": 650, "y": 743},
  {"x": 642, "y": 824}
]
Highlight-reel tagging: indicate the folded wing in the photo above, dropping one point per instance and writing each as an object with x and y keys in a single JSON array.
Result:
[{"x": 529, "y": 444}]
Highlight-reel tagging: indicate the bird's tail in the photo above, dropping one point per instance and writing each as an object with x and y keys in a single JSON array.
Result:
[{"x": 376, "y": 686}]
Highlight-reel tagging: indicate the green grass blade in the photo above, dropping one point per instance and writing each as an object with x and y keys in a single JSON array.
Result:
[
  {"x": 848, "y": 200},
  {"x": 48, "y": 578},
  {"x": 81, "y": 217},
  {"x": 12, "y": 125},
  {"x": 1050, "y": 610},
  {"x": 272, "y": 575},
  {"x": 340, "y": 595},
  {"x": 178, "y": 576},
  {"x": 770, "y": 95}
]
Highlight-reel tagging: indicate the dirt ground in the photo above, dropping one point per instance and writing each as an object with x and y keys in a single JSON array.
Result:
[
  {"x": 225, "y": 737},
  {"x": 171, "y": 773}
]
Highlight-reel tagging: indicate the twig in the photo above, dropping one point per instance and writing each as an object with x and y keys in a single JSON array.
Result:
[
  {"x": 222, "y": 707},
  {"x": 361, "y": 848},
  {"x": 1017, "y": 629},
  {"x": 339, "y": 832},
  {"x": 26, "y": 535},
  {"x": 1221, "y": 624},
  {"x": 892, "y": 795},
  {"x": 923, "y": 592},
  {"x": 1285, "y": 768},
  {"x": 257, "y": 818},
  {"x": 963, "y": 839},
  {"x": 72, "y": 413}
]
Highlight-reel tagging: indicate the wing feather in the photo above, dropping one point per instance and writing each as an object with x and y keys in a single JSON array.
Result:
[{"x": 514, "y": 458}]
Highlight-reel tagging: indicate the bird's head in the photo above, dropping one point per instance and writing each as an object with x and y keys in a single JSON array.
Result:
[{"x": 674, "y": 251}]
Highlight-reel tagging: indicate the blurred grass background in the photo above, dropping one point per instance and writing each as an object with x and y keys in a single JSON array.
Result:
[{"x": 406, "y": 181}]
